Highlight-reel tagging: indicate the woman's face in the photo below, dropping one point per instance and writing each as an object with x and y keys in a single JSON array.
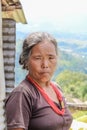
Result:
[{"x": 42, "y": 62}]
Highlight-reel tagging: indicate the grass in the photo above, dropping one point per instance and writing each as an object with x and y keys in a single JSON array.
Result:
[{"x": 82, "y": 119}]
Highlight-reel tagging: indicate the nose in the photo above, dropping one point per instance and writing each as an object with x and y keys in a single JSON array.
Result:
[{"x": 45, "y": 63}]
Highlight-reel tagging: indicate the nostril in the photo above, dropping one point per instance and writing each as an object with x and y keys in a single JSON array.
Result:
[{"x": 45, "y": 64}]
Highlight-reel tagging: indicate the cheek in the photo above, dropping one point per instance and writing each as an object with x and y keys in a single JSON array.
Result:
[
  {"x": 33, "y": 66},
  {"x": 54, "y": 64}
]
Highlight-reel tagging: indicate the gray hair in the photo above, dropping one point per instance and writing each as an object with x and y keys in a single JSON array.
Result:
[{"x": 32, "y": 40}]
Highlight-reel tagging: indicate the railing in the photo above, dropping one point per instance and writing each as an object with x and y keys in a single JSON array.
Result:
[
  {"x": 77, "y": 106},
  {"x": 77, "y": 125}
]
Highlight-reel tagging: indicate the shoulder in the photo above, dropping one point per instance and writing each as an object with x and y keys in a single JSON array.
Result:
[
  {"x": 24, "y": 89},
  {"x": 57, "y": 86},
  {"x": 23, "y": 93}
]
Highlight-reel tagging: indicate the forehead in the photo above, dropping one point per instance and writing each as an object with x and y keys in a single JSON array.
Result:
[{"x": 44, "y": 47}]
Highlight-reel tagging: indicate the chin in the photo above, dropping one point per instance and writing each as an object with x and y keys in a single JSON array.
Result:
[{"x": 44, "y": 80}]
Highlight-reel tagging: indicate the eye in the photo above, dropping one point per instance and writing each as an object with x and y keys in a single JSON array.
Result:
[
  {"x": 51, "y": 57},
  {"x": 37, "y": 58}
]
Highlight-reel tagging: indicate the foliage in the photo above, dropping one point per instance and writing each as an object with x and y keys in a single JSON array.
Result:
[
  {"x": 83, "y": 119},
  {"x": 72, "y": 61},
  {"x": 74, "y": 84},
  {"x": 78, "y": 113}
]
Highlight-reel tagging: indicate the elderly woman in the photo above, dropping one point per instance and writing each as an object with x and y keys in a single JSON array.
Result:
[{"x": 38, "y": 103}]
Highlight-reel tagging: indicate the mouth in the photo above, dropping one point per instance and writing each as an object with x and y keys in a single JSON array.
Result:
[{"x": 44, "y": 73}]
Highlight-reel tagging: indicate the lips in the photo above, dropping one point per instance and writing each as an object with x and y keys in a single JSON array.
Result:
[{"x": 44, "y": 72}]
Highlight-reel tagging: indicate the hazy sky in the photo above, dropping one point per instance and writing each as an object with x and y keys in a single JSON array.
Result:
[{"x": 60, "y": 15}]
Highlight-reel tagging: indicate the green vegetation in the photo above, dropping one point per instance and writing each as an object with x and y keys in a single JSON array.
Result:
[
  {"x": 74, "y": 84},
  {"x": 83, "y": 119},
  {"x": 72, "y": 61},
  {"x": 77, "y": 114}
]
